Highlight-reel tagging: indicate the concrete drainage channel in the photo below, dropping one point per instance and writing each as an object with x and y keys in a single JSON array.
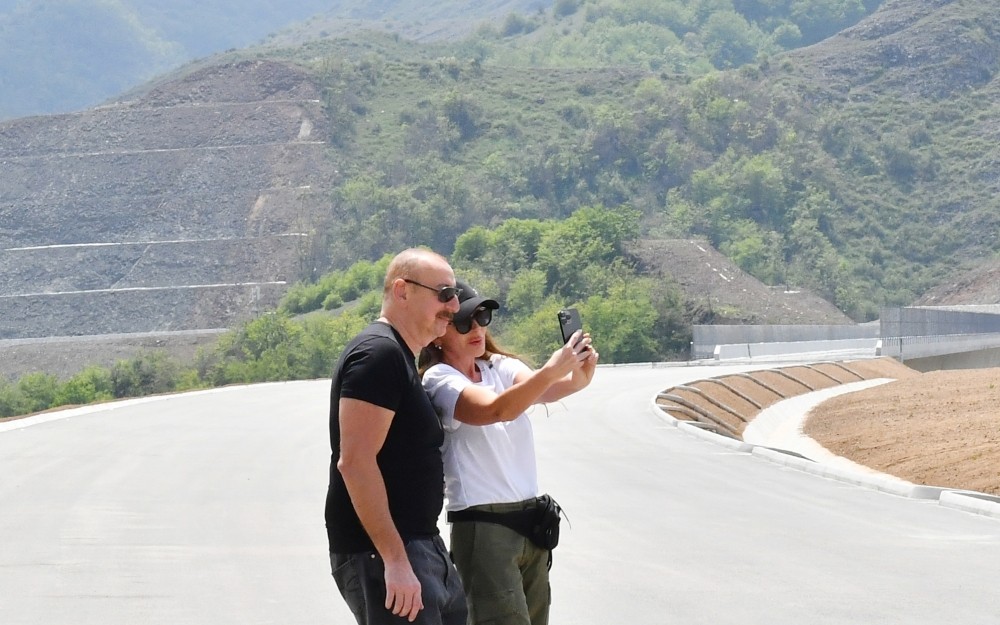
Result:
[{"x": 723, "y": 420}]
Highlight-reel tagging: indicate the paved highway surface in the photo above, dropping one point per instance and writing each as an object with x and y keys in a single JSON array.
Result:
[{"x": 206, "y": 509}]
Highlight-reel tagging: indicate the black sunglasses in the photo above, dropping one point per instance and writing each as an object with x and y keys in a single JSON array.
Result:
[
  {"x": 482, "y": 316},
  {"x": 445, "y": 294}
]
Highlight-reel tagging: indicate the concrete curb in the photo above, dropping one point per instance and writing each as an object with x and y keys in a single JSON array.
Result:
[{"x": 971, "y": 501}]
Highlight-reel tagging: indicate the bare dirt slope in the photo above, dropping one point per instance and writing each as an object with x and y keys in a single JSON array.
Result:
[
  {"x": 938, "y": 429},
  {"x": 979, "y": 285}
]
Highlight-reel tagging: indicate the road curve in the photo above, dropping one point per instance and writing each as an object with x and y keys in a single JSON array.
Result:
[{"x": 206, "y": 508}]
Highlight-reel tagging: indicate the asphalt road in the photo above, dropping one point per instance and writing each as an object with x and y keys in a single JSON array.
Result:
[{"x": 206, "y": 509}]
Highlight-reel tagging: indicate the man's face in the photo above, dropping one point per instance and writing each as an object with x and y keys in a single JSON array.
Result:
[{"x": 426, "y": 290}]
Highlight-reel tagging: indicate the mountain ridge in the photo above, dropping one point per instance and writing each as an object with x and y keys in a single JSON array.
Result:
[
  {"x": 933, "y": 47},
  {"x": 224, "y": 178}
]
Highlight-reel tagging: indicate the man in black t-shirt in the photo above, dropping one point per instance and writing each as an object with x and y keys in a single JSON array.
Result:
[{"x": 386, "y": 474}]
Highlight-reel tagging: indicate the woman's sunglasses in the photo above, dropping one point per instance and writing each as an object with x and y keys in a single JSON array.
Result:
[
  {"x": 482, "y": 316},
  {"x": 445, "y": 294}
]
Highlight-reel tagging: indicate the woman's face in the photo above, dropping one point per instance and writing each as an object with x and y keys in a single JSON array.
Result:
[{"x": 457, "y": 347}]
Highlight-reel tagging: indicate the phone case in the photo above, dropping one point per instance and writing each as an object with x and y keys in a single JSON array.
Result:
[{"x": 569, "y": 322}]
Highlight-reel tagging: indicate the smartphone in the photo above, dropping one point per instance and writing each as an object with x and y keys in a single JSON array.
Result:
[{"x": 569, "y": 322}]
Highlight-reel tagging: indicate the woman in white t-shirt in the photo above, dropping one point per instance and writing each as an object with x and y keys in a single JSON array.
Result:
[{"x": 481, "y": 393}]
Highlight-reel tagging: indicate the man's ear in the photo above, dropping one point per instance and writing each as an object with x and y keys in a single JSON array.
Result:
[{"x": 399, "y": 289}]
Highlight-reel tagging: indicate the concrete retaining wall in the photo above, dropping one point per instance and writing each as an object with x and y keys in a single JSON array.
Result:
[
  {"x": 706, "y": 338},
  {"x": 864, "y": 347},
  {"x": 922, "y": 337},
  {"x": 937, "y": 321}
]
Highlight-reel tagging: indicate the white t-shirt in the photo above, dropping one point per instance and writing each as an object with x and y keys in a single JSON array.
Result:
[{"x": 483, "y": 463}]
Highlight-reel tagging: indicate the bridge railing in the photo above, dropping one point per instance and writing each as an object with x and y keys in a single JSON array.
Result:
[{"x": 908, "y": 347}]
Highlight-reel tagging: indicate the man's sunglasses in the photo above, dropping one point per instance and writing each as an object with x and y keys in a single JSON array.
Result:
[
  {"x": 482, "y": 316},
  {"x": 445, "y": 294}
]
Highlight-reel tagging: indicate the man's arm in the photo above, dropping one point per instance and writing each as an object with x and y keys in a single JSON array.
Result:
[{"x": 363, "y": 428}]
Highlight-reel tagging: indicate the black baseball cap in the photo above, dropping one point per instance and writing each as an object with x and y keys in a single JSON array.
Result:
[{"x": 470, "y": 300}]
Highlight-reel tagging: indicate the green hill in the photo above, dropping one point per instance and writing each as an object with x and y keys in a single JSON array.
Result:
[{"x": 861, "y": 168}]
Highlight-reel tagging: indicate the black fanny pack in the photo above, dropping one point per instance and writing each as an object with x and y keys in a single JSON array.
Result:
[{"x": 539, "y": 524}]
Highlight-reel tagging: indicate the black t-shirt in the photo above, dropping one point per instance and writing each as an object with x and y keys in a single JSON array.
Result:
[{"x": 378, "y": 367}]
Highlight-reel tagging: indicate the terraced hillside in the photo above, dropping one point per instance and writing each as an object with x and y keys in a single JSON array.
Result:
[{"x": 190, "y": 208}]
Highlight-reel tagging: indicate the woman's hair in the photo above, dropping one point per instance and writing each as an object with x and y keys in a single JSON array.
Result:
[{"x": 430, "y": 355}]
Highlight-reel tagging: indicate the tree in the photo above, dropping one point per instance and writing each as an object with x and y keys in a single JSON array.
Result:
[
  {"x": 504, "y": 251},
  {"x": 38, "y": 391},
  {"x": 755, "y": 250},
  {"x": 565, "y": 8},
  {"x": 463, "y": 111},
  {"x": 622, "y": 323},
  {"x": 527, "y": 291},
  {"x": 588, "y": 236},
  {"x": 818, "y": 19},
  {"x": 612, "y": 138},
  {"x": 90, "y": 385},
  {"x": 761, "y": 181},
  {"x": 323, "y": 338},
  {"x": 147, "y": 373},
  {"x": 813, "y": 260},
  {"x": 729, "y": 39},
  {"x": 12, "y": 400}
]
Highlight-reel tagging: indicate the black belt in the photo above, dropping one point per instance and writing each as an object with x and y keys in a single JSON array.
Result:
[{"x": 521, "y": 521}]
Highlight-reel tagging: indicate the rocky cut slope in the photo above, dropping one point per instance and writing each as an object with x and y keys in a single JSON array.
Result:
[
  {"x": 189, "y": 208},
  {"x": 719, "y": 292}
]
